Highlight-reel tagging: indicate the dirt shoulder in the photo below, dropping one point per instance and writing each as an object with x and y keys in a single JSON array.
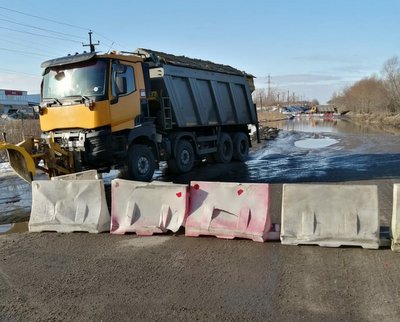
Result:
[
  {"x": 93, "y": 277},
  {"x": 388, "y": 122}
]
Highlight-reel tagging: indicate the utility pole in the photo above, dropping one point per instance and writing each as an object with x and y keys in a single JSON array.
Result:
[
  {"x": 91, "y": 45},
  {"x": 269, "y": 86},
  {"x": 288, "y": 97}
]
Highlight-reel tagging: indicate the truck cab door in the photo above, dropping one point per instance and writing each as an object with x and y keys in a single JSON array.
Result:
[{"x": 125, "y": 95}]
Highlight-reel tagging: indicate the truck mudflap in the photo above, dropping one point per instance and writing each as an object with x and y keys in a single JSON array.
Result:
[{"x": 20, "y": 158}]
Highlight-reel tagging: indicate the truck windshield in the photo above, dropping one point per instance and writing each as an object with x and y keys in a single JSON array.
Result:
[{"x": 76, "y": 80}]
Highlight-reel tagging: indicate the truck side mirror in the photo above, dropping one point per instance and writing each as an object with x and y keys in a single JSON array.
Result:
[{"x": 120, "y": 85}]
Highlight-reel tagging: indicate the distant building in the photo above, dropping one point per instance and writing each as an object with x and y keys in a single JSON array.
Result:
[{"x": 18, "y": 104}]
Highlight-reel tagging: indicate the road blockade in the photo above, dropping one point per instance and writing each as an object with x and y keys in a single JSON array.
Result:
[
  {"x": 147, "y": 208},
  {"x": 330, "y": 215},
  {"x": 395, "y": 228},
  {"x": 229, "y": 210},
  {"x": 69, "y": 205},
  {"x": 84, "y": 175}
]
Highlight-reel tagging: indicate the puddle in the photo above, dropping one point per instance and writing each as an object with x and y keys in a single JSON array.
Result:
[
  {"x": 5, "y": 228},
  {"x": 315, "y": 143},
  {"x": 19, "y": 227}
]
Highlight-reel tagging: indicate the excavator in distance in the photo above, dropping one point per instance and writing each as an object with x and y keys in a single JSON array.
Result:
[{"x": 114, "y": 110}]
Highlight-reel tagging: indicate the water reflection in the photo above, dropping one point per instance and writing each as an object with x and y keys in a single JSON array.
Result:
[
  {"x": 18, "y": 227},
  {"x": 315, "y": 143},
  {"x": 4, "y": 228},
  {"x": 320, "y": 125}
]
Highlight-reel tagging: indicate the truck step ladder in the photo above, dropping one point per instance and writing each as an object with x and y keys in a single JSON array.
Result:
[{"x": 167, "y": 112}]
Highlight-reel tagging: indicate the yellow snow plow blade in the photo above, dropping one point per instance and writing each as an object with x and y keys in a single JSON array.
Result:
[{"x": 20, "y": 158}]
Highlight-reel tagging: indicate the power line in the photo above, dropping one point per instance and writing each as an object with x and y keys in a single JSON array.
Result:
[
  {"x": 39, "y": 28},
  {"x": 23, "y": 52},
  {"x": 40, "y": 35},
  {"x": 111, "y": 42},
  {"x": 10, "y": 71},
  {"x": 23, "y": 44},
  {"x": 57, "y": 22},
  {"x": 43, "y": 18}
]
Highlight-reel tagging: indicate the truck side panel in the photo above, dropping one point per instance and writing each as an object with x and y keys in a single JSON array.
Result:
[{"x": 206, "y": 98}]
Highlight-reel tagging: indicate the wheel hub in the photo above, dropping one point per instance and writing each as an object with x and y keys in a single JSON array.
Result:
[
  {"x": 185, "y": 157},
  {"x": 143, "y": 165}
]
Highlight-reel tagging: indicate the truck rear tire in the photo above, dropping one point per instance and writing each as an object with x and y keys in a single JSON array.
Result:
[
  {"x": 240, "y": 146},
  {"x": 225, "y": 149},
  {"x": 184, "y": 158},
  {"x": 141, "y": 162}
]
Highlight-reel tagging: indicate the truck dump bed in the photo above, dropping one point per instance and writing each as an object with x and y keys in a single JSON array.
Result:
[{"x": 201, "y": 93}]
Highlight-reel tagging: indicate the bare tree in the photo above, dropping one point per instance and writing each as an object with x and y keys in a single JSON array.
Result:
[
  {"x": 391, "y": 74},
  {"x": 365, "y": 96},
  {"x": 260, "y": 97},
  {"x": 314, "y": 102}
]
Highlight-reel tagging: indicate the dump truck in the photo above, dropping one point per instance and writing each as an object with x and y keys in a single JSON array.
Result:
[{"x": 134, "y": 110}]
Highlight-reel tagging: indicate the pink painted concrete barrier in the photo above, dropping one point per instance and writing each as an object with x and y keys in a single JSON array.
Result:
[
  {"x": 229, "y": 210},
  {"x": 147, "y": 208}
]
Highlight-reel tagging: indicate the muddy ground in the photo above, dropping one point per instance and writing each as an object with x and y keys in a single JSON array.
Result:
[{"x": 80, "y": 276}]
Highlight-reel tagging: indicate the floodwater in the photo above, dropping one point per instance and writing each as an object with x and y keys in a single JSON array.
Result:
[
  {"x": 18, "y": 227},
  {"x": 304, "y": 151},
  {"x": 308, "y": 150}
]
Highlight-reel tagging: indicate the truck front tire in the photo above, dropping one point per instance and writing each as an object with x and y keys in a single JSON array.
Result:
[
  {"x": 225, "y": 149},
  {"x": 141, "y": 162}
]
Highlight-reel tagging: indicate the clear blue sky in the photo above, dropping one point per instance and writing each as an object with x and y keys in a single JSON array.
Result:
[{"x": 310, "y": 47}]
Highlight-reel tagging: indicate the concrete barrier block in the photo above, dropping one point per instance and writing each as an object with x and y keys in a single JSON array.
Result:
[
  {"x": 395, "y": 227},
  {"x": 84, "y": 175},
  {"x": 69, "y": 205},
  {"x": 147, "y": 208},
  {"x": 229, "y": 210},
  {"x": 330, "y": 215}
]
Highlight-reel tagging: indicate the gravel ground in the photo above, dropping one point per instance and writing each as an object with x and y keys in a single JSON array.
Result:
[{"x": 79, "y": 276}]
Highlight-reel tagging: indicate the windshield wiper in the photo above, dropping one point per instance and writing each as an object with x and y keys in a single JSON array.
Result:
[
  {"x": 82, "y": 99},
  {"x": 48, "y": 101}
]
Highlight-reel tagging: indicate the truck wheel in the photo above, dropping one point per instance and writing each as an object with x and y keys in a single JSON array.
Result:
[
  {"x": 184, "y": 158},
  {"x": 225, "y": 149},
  {"x": 240, "y": 147},
  {"x": 141, "y": 162}
]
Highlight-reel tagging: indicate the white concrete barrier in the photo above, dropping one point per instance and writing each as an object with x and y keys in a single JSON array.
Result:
[
  {"x": 84, "y": 175},
  {"x": 147, "y": 208},
  {"x": 229, "y": 210},
  {"x": 330, "y": 215},
  {"x": 395, "y": 228},
  {"x": 69, "y": 205}
]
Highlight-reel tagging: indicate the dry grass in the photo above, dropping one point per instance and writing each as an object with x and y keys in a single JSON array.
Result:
[
  {"x": 380, "y": 119},
  {"x": 270, "y": 116}
]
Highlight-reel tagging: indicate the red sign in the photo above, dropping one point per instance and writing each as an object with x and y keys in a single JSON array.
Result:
[{"x": 11, "y": 92}]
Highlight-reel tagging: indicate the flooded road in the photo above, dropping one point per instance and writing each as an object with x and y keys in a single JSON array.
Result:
[
  {"x": 304, "y": 151},
  {"x": 322, "y": 151}
]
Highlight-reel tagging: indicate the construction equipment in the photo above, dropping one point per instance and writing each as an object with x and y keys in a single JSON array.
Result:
[{"x": 103, "y": 111}]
